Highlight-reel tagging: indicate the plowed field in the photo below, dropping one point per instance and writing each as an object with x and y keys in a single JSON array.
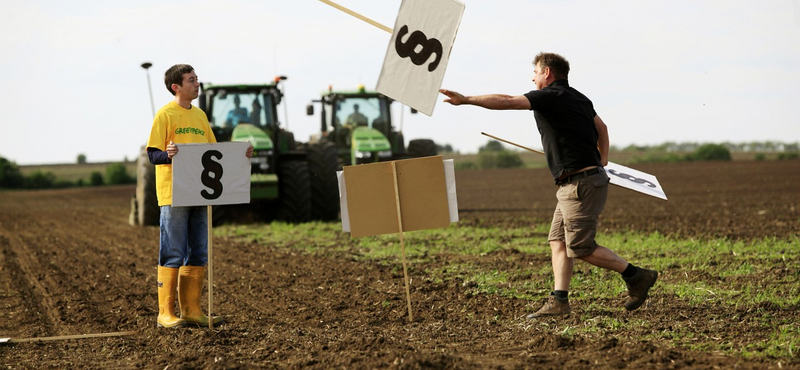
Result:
[{"x": 71, "y": 264}]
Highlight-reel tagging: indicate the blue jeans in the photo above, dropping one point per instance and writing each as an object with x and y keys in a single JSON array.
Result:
[{"x": 184, "y": 236}]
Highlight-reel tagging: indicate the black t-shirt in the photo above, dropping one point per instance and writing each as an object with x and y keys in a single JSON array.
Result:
[{"x": 565, "y": 119}]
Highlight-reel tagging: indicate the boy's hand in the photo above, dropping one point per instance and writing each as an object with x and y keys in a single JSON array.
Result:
[
  {"x": 249, "y": 152},
  {"x": 172, "y": 150}
]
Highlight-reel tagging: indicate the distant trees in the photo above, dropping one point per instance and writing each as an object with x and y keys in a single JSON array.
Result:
[
  {"x": 710, "y": 152},
  {"x": 443, "y": 149},
  {"x": 96, "y": 179},
  {"x": 493, "y": 155},
  {"x": 81, "y": 158},
  {"x": 10, "y": 177},
  {"x": 491, "y": 146},
  {"x": 116, "y": 174}
]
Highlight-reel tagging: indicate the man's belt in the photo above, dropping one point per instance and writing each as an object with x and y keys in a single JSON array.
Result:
[{"x": 580, "y": 175}]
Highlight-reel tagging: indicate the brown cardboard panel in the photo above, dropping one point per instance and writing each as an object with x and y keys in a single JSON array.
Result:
[
  {"x": 370, "y": 199},
  {"x": 423, "y": 193}
]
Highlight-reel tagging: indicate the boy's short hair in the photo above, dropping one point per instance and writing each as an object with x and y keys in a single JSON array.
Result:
[
  {"x": 557, "y": 64},
  {"x": 174, "y": 75}
]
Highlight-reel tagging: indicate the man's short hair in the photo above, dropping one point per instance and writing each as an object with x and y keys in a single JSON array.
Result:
[
  {"x": 557, "y": 64},
  {"x": 174, "y": 75}
]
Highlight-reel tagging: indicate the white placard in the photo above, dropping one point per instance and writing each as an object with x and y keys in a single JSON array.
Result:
[
  {"x": 639, "y": 181},
  {"x": 450, "y": 183},
  {"x": 211, "y": 174},
  {"x": 418, "y": 52}
]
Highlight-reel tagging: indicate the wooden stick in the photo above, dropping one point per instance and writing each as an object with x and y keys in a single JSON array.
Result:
[
  {"x": 359, "y": 16},
  {"x": 210, "y": 271},
  {"x": 516, "y": 145},
  {"x": 64, "y": 337},
  {"x": 402, "y": 239}
]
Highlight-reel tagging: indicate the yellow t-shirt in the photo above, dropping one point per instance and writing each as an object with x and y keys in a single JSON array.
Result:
[{"x": 181, "y": 126}]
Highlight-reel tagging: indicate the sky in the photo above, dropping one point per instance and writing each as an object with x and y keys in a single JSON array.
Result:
[{"x": 656, "y": 71}]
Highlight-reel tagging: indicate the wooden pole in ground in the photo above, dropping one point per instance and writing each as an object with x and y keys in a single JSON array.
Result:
[
  {"x": 210, "y": 271},
  {"x": 359, "y": 16},
  {"x": 65, "y": 337},
  {"x": 402, "y": 239}
]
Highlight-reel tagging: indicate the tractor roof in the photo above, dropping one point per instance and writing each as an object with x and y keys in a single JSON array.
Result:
[
  {"x": 359, "y": 92},
  {"x": 241, "y": 87}
]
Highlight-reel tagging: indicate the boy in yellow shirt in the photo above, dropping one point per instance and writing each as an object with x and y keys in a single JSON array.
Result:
[{"x": 183, "y": 247}]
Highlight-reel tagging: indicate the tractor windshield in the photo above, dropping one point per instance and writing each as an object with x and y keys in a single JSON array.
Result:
[
  {"x": 358, "y": 111},
  {"x": 232, "y": 109}
]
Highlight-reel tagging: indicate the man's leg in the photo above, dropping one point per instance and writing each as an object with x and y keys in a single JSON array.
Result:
[
  {"x": 605, "y": 258},
  {"x": 558, "y": 301},
  {"x": 562, "y": 265}
]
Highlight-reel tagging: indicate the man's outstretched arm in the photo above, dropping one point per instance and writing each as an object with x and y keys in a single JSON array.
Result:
[{"x": 489, "y": 101}]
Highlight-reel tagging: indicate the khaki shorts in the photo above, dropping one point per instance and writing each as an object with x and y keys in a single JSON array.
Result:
[{"x": 580, "y": 203}]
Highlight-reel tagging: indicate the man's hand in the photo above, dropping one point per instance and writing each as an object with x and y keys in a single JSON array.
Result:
[
  {"x": 172, "y": 150},
  {"x": 249, "y": 152},
  {"x": 454, "y": 98}
]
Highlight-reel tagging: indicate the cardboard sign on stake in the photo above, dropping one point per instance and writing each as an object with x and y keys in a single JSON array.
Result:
[{"x": 397, "y": 196}]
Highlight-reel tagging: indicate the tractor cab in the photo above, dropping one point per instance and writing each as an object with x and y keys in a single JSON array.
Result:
[
  {"x": 359, "y": 122},
  {"x": 249, "y": 113}
]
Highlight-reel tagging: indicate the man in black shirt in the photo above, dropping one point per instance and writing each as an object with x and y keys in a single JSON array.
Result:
[{"x": 575, "y": 142}]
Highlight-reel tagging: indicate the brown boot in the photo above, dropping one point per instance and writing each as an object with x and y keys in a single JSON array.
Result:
[
  {"x": 167, "y": 292},
  {"x": 189, "y": 293},
  {"x": 638, "y": 286},
  {"x": 553, "y": 307}
]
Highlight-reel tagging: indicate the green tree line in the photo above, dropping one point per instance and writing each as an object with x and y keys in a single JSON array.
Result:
[{"x": 12, "y": 178}]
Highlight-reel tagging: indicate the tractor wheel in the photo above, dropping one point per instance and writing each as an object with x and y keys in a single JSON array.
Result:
[
  {"x": 294, "y": 191},
  {"x": 145, "y": 206},
  {"x": 322, "y": 165},
  {"x": 421, "y": 148}
]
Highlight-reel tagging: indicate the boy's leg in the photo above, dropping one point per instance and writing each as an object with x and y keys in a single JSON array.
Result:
[
  {"x": 197, "y": 236},
  {"x": 192, "y": 276},
  {"x": 174, "y": 245},
  {"x": 171, "y": 254}
]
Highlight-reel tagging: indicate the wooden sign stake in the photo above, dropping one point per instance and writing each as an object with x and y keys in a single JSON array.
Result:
[
  {"x": 402, "y": 239},
  {"x": 210, "y": 271},
  {"x": 359, "y": 16},
  {"x": 65, "y": 337}
]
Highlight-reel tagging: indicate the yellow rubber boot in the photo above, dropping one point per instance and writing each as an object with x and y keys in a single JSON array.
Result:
[
  {"x": 167, "y": 290},
  {"x": 189, "y": 294}
]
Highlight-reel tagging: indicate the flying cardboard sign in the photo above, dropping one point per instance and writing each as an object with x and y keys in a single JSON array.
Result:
[
  {"x": 418, "y": 52},
  {"x": 620, "y": 175},
  {"x": 211, "y": 174}
]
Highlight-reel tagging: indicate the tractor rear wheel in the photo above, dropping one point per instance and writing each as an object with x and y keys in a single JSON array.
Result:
[
  {"x": 421, "y": 148},
  {"x": 144, "y": 207},
  {"x": 322, "y": 165},
  {"x": 294, "y": 191}
]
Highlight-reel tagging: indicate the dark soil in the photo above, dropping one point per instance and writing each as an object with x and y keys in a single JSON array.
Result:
[{"x": 71, "y": 264}]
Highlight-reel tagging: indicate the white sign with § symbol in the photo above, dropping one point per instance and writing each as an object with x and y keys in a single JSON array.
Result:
[
  {"x": 211, "y": 174},
  {"x": 629, "y": 178},
  {"x": 418, "y": 52}
]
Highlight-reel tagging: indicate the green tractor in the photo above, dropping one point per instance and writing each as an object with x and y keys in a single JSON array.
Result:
[
  {"x": 283, "y": 171},
  {"x": 359, "y": 124}
]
